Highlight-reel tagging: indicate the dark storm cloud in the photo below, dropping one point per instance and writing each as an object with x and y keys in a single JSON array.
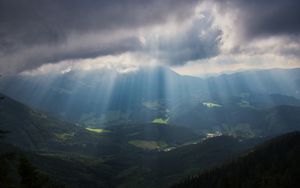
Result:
[
  {"x": 38, "y": 21},
  {"x": 263, "y": 18},
  {"x": 198, "y": 41},
  {"x": 34, "y": 23},
  {"x": 34, "y": 32}
]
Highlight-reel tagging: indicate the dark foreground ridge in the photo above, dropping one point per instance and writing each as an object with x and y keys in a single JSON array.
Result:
[{"x": 273, "y": 164}]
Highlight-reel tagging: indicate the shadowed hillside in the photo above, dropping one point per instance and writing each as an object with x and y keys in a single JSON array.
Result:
[{"x": 273, "y": 164}]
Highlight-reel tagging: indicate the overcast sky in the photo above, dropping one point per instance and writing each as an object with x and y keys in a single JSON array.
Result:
[{"x": 192, "y": 37}]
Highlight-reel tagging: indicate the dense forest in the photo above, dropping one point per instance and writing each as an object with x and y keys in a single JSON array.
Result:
[{"x": 274, "y": 164}]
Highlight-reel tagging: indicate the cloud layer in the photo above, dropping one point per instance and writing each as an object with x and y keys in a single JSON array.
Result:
[
  {"x": 37, "y": 31},
  {"x": 266, "y": 18},
  {"x": 173, "y": 32}
]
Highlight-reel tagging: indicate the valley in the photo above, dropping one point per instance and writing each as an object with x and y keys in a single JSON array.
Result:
[
  {"x": 149, "y": 94},
  {"x": 135, "y": 141}
]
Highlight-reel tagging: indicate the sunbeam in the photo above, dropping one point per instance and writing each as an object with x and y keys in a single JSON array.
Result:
[{"x": 149, "y": 94}]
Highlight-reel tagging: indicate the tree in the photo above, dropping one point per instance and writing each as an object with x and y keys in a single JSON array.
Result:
[
  {"x": 2, "y": 132},
  {"x": 1, "y": 97}
]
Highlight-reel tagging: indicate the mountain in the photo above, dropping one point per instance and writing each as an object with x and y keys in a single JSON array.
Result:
[
  {"x": 89, "y": 156},
  {"x": 103, "y": 97},
  {"x": 96, "y": 96},
  {"x": 34, "y": 130},
  {"x": 147, "y": 128},
  {"x": 121, "y": 155},
  {"x": 241, "y": 118},
  {"x": 272, "y": 164},
  {"x": 271, "y": 81}
]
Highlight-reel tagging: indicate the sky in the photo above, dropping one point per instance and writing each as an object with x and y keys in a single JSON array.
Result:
[{"x": 193, "y": 37}]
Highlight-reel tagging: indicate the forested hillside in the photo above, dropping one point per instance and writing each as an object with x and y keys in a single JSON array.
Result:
[{"x": 274, "y": 164}]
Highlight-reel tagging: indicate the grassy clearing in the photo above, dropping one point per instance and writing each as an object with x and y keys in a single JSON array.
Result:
[
  {"x": 96, "y": 130},
  {"x": 149, "y": 145},
  {"x": 211, "y": 105},
  {"x": 160, "y": 121}
]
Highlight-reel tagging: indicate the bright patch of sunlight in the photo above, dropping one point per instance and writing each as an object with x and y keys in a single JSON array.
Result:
[
  {"x": 213, "y": 134},
  {"x": 96, "y": 130},
  {"x": 149, "y": 145},
  {"x": 211, "y": 105},
  {"x": 160, "y": 121}
]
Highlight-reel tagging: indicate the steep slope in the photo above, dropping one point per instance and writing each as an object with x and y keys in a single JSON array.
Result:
[
  {"x": 273, "y": 164},
  {"x": 35, "y": 131}
]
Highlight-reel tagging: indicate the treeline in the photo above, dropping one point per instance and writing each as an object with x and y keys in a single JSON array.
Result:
[
  {"x": 17, "y": 171},
  {"x": 275, "y": 164}
]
